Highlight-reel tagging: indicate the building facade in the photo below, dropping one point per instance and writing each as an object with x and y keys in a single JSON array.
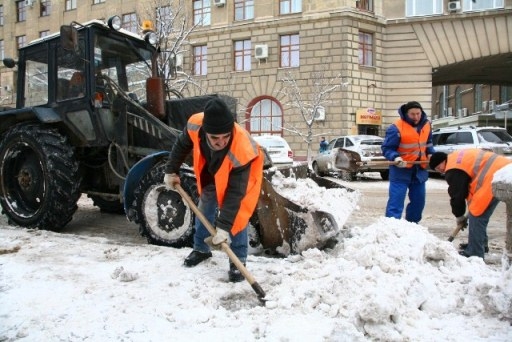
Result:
[{"x": 372, "y": 56}]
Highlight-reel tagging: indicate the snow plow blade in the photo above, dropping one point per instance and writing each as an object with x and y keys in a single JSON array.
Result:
[{"x": 282, "y": 222}]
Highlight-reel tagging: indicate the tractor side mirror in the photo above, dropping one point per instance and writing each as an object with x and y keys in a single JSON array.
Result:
[
  {"x": 9, "y": 62},
  {"x": 69, "y": 37}
]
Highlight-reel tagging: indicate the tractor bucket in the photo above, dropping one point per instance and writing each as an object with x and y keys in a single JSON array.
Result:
[{"x": 282, "y": 221}]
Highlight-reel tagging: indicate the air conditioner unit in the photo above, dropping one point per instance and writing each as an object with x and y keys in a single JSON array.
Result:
[
  {"x": 459, "y": 113},
  {"x": 29, "y": 3},
  {"x": 261, "y": 51},
  {"x": 179, "y": 60},
  {"x": 219, "y": 3},
  {"x": 320, "y": 114},
  {"x": 492, "y": 106},
  {"x": 454, "y": 6},
  {"x": 449, "y": 111},
  {"x": 484, "y": 106},
  {"x": 464, "y": 112}
]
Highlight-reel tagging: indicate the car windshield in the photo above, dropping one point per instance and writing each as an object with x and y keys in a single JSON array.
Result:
[{"x": 494, "y": 136}]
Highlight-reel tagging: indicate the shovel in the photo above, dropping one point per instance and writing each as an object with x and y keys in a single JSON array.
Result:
[
  {"x": 351, "y": 161},
  {"x": 225, "y": 247},
  {"x": 455, "y": 232}
]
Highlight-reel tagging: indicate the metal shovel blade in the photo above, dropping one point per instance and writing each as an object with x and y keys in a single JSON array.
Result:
[{"x": 347, "y": 160}]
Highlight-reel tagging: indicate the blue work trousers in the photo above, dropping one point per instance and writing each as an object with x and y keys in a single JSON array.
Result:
[
  {"x": 208, "y": 206},
  {"x": 477, "y": 236},
  {"x": 395, "y": 205}
]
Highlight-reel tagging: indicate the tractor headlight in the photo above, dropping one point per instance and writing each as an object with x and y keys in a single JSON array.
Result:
[
  {"x": 114, "y": 22},
  {"x": 151, "y": 38}
]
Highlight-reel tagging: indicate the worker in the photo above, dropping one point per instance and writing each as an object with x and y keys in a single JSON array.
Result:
[
  {"x": 469, "y": 174},
  {"x": 228, "y": 165},
  {"x": 409, "y": 139}
]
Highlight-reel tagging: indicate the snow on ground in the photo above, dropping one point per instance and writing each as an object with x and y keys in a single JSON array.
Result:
[{"x": 388, "y": 281}]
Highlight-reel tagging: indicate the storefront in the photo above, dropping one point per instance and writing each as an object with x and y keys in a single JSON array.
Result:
[{"x": 368, "y": 121}]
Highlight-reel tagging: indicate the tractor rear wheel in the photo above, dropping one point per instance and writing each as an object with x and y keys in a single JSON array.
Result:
[
  {"x": 165, "y": 219},
  {"x": 39, "y": 178}
]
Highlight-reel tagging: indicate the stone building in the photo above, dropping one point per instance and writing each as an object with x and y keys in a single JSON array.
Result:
[{"x": 378, "y": 54}]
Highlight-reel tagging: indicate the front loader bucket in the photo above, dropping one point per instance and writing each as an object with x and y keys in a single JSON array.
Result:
[{"x": 282, "y": 221}]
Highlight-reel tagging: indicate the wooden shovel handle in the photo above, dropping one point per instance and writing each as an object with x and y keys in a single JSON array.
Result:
[{"x": 225, "y": 247}]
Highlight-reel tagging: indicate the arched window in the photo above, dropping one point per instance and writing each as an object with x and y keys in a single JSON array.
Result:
[{"x": 264, "y": 116}]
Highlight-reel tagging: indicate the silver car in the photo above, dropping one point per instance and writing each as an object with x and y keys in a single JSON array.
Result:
[{"x": 367, "y": 146}]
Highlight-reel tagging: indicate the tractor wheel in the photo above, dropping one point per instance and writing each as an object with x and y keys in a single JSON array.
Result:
[
  {"x": 39, "y": 179},
  {"x": 111, "y": 205},
  {"x": 164, "y": 218}
]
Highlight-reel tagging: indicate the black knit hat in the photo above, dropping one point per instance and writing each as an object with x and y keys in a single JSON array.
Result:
[
  {"x": 436, "y": 159},
  {"x": 217, "y": 117},
  {"x": 409, "y": 105}
]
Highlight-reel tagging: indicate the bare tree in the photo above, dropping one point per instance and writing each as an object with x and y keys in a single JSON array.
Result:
[
  {"x": 173, "y": 24},
  {"x": 320, "y": 89}
]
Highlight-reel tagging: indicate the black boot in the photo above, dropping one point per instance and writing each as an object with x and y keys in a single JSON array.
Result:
[
  {"x": 234, "y": 274},
  {"x": 464, "y": 245},
  {"x": 196, "y": 257}
]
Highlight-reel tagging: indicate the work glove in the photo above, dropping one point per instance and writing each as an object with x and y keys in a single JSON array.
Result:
[
  {"x": 220, "y": 236},
  {"x": 171, "y": 179},
  {"x": 399, "y": 162},
  {"x": 462, "y": 221}
]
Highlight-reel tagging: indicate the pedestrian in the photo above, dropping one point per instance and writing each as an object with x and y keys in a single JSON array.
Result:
[
  {"x": 469, "y": 175},
  {"x": 323, "y": 145},
  {"x": 408, "y": 139},
  {"x": 228, "y": 165}
]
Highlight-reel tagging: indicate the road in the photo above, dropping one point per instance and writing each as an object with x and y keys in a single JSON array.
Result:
[{"x": 437, "y": 217}]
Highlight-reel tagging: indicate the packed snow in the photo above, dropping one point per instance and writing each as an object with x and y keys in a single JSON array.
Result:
[{"x": 388, "y": 281}]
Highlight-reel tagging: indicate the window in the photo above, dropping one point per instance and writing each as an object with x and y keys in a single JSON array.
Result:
[
  {"x": 290, "y": 6},
  {"x": 21, "y": 11},
  {"x": 458, "y": 99},
  {"x": 45, "y": 8},
  {"x": 130, "y": 23},
  {"x": 440, "y": 107},
  {"x": 94, "y": 2},
  {"x": 202, "y": 14},
  {"x": 21, "y": 41},
  {"x": 243, "y": 55},
  {"x": 505, "y": 93},
  {"x": 365, "y": 49},
  {"x": 70, "y": 5},
  {"x": 422, "y": 7},
  {"x": 482, "y": 5},
  {"x": 1, "y": 15},
  {"x": 265, "y": 116},
  {"x": 200, "y": 62},
  {"x": 478, "y": 98},
  {"x": 36, "y": 78},
  {"x": 289, "y": 51},
  {"x": 244, "y": 9},
  {"x": 366, "y": 5},
  {"x": 44, "y": 33}
]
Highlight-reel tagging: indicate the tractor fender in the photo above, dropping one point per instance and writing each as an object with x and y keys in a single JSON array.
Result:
[
  {"x": 10, "y": 117},
  {"x": 136, "y": 173}
]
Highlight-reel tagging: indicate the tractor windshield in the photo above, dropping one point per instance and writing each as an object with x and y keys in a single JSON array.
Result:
[{"x": 124, "y": 62}]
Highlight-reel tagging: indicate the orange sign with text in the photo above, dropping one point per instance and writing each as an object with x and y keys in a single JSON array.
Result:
[{"x": 368, "y": 116}]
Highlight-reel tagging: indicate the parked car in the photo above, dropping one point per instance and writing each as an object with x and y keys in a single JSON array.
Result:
[
  {"x": 367, "y": 146},
  {"x": 277, "y": 148},
  {"x": 449, "y": 139},
  {"x": 495, "y": 139}
]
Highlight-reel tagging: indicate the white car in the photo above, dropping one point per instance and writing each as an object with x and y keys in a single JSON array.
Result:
[
  {"x": 367, "y": 146},
  {"x": 277, "y": 148}
]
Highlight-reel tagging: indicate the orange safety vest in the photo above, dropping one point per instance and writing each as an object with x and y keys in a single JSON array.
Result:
[
  {"x": 413, "y": 146},
  {"x": 480, "y": 166},
  {"x": 242, "y": 151}
]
